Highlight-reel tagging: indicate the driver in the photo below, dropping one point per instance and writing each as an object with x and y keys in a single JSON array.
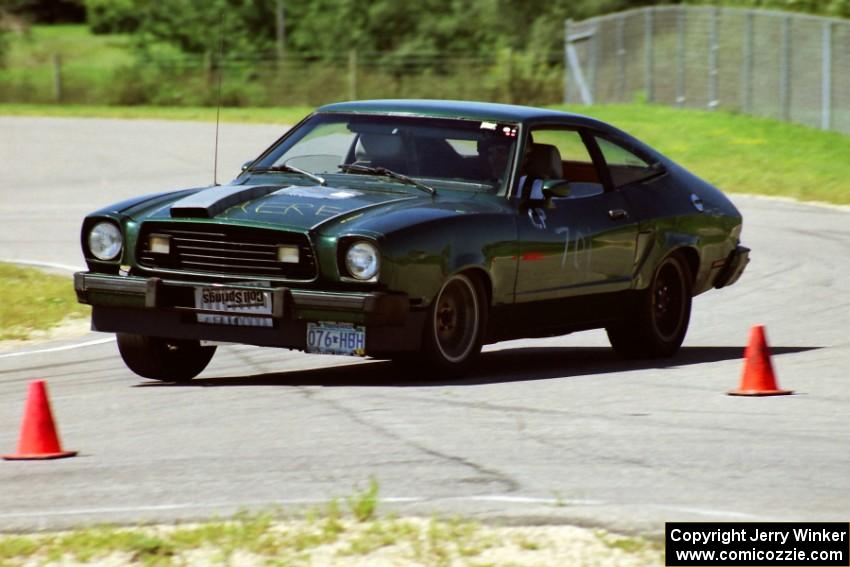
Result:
[{"x": 496, "y": 152}]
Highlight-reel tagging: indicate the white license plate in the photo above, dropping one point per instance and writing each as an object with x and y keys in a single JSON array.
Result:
[
  {"x": 336, "y": 338},
  {"x": 242, "y": 302}
]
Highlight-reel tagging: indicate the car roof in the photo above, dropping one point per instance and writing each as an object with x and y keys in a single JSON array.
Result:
[
  {"x": 453, "y": 109},
  {"x": 489, "y": 111}
]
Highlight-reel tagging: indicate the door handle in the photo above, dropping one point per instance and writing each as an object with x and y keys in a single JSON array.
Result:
[{"x": 616, "y": 214}]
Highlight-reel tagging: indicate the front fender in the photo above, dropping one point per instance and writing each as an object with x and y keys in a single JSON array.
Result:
[{"x": 418, "y": 259}]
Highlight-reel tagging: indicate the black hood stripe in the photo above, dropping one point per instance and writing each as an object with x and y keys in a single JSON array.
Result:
[{"x": 215, "y": 200}]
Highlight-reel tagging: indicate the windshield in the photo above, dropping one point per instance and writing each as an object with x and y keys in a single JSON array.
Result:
[{"x": 458, "y": 152}]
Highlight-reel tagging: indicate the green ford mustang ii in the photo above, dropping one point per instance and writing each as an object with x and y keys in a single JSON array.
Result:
[{"x": 415, "y": 231}]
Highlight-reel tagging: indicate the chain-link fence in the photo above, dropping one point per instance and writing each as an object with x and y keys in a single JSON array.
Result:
[
  {"x": 788, "y": 66},
  {"x": 503, "y": 76},
  {"x": 792, "y": 67}
]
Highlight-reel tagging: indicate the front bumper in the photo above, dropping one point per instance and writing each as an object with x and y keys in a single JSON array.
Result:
[{"x": 165, "y": 308}]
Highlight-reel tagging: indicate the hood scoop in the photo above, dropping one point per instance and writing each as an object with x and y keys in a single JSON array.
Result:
[{"x": 211, "y": 202}]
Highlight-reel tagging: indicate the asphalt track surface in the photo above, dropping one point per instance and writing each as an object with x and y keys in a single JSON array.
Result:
[{"x": 555, "y": 430}]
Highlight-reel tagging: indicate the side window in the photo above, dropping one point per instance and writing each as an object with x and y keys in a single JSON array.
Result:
[
  {"x": 558, "y": 153},
  {"x": 625, "y": 166},
  {"x": 576, "y": 163}
]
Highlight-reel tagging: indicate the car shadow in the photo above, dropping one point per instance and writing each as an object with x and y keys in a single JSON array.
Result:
[{"x": 509, "y": 365}]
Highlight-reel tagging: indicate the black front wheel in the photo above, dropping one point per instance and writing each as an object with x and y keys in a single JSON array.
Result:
[
  {"x": 655, "y": 326},
  {"x": 169, "y": 360},
  {"x": 455, "y": 327}
]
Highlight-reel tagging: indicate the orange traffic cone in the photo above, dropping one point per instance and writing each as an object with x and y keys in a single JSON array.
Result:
[
  {"x": 757, "y": 378},
  {"x": 38, "y": 434}
]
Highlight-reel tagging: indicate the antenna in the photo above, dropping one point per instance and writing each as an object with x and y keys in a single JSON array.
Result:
[{"x": 218, "y": 96}]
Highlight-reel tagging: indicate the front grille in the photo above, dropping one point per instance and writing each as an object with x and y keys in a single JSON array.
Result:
[{"x": 223, "y": 249}]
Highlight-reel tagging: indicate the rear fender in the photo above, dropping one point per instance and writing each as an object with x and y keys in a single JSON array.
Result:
[{"x": 663, "y": 245}]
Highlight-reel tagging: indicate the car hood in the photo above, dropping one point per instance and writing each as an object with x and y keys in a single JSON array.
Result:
[{"x": 288, "y": 206}]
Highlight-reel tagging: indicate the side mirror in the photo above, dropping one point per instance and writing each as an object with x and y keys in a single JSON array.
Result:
[
  {"x": 247, "y": 164},
  {"x": 556, "y": 188}
]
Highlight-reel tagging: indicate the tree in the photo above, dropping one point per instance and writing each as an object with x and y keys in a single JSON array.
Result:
[
  {"x": 4, "y": 45},
  {"x": 331, "y": 28},
  {"x": 112, "y": 16},
  {"x": 388, "y": 30},
  {"x": 197, "y": 27},
  {"x": 46, "y": 11}
]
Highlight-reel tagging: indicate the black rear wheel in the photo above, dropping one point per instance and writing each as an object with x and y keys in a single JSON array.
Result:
[
  {"x": 656, "y": 325},
  {"x": 169, "y": 360}
]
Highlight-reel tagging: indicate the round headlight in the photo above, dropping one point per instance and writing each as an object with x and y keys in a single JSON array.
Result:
[
  {"x": 105, "y": 241},
  {"x": 361, "y": 260}
]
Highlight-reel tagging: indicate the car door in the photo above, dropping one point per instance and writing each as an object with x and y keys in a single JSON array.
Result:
[{"x": 583, "y": 243}]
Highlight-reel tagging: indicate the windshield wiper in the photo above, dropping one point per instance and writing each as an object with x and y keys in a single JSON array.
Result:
[
  {"x": 291, "y": 169},
  {"x": 369, "y": 170}
]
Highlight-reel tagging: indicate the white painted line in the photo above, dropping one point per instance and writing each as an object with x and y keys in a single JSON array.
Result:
[
  {"x": 500, "y": 498},
  {"x": 39, "y": 264},
  {"x": 530, "y": 500},
  {"x": 55, "y": 266},
  {"x": 706, "y": 512},
  {"x": 169, "y": 507},
  {"x": 84, "y": 511},
  {"x": 59, "y": 348},
  {"x": 509, "y": 499}
]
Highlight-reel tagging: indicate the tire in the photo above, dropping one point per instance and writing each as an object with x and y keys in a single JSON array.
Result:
[
  {"x": 656, "y": 324},
  {"x": 168, "y": 360},
  {"x": 454, "y": 329}
]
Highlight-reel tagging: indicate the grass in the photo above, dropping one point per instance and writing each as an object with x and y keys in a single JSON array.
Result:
[
  {"x": 286, "y": 115},
  {"x": 326, "y": 536},
  {"x": 738, "y": 153},
  {"x": 88, "y": 62},
  {"x": 741, "y": 153},
  {"x": 34, "y": 301},
  {"x": 266, "y": 538},
  {"x": 36, "y": 47},
  {"x": 364, "y": 503},
  {"x": 625, "y": 543}
]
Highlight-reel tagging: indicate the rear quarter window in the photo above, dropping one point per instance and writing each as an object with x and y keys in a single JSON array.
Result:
[{"x": 624, "y": 165}]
